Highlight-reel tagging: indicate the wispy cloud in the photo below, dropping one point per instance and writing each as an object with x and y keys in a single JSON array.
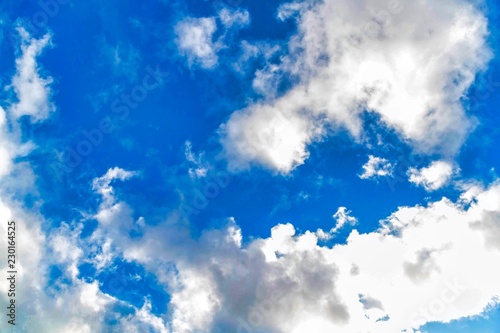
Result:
[
  {"x": 200, "y": 168},
  {"x": 32, "y": 90},
  {"x": 200, "y": 39}
]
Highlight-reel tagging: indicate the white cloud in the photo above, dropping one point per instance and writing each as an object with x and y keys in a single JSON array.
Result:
[
  {"x": 266, "y": 81},
  {"x": 33, "y": 99},
  {"x": 102, "y": 185},
  {"x": 433, "y": 177},
  {"x": 239, "y": 17},
  {"x": 114, "y": 217},
  {"x": 11, "y": 146},
  {"x": 7, "y": 148},
  {"x": 289, "y": 283},
  {"x": 65, "y": 249},
  {"x": 433, "y": 263},
  {"x": 196, "y": 37},
  {"x": 342, "y": 218},
  {"x": 290, "y": 9},
  {"x": 32, "y": 90},
  {"x": 195, "y": 41},
  {"x": 142, "y": 320},
  {"x": 76, "y": 306},
  {"x": 274, "y": 137},
  {"x": 376, "y": 167},
  {"x": 194, "y": 292},
  {"x": 33, "y": 95},
  {"x": 409, "y": 63},
  {"x": 200, "y": 167}
]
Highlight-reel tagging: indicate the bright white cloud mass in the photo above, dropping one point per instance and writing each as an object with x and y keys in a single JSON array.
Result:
[
  {"x": 408, "y": 62},
  {"x": 393, "y": 264},
  {"x": 288, "y": 282}
]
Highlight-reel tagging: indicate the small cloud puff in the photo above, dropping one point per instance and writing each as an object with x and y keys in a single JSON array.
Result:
[
  {"x": 195, "y": 41},
  {"x": 342, "y": 217},
  {"x": 433, "y": 177},
  {"x": 376, "y": 167}
]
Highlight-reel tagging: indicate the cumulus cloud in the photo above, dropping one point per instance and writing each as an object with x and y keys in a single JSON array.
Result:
[
  {"x": 420, "y": 266},
  {"x": 71, "y": 303},
  {"x": 376, "y": 167},
  {"x": 288, "y": 282},
  {"x": 33, "y": 99},
  {"x": 276, "y": 138},
  {"x": 433, "y": 177},
  {"x": 77, "y": 308},
  {"x": 74, "y": 305},
  {"x": 411, "y": 63}
]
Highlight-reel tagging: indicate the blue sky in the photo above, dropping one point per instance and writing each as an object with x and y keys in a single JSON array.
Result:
[{"x": 251, "y": 166}]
